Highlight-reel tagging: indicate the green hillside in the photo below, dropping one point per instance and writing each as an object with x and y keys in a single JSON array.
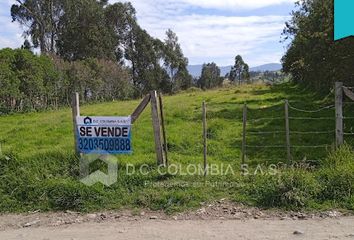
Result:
[{"x": 38, "y": 169}]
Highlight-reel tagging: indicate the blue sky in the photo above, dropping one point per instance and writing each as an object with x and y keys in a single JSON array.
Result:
[{"x": 208, "y": 30}]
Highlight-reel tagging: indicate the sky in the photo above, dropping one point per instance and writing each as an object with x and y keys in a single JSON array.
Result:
[{"x": 208, "y": 30}]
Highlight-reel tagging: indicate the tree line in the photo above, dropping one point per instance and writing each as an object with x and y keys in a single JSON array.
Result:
[
  {"x": 89, "y": 46},
  {"x": 97, "y": 49},
  {"x": 211, "y": 78},
  {"x": 313, "y": 58},
  {"x": 30, "y": 82}
]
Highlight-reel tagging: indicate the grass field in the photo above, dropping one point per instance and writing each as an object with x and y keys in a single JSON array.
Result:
[{"x": 38, "y": 169}]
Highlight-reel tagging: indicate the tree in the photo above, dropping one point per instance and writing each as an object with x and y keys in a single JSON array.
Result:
[
  {"x": 83, "y": 31},
  {"x": 121, "y": 19},
  {"x": 88, "y": 41},
  {"x": 40, "y": 18},
  {"x": 9, "y": 81},
  {"x": 184, "y": 79},
  {"x": 210, "y": 76},
  {"x": 245, "y": 72},
  {"x": 75, "y": 30},
  {"x": 313, "y": 57},
  {"x": 240, "y": 70},
  {"x": 175, "y": 62}
]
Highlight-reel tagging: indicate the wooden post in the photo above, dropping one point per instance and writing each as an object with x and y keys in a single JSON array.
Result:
[
  {"x": 244, "y": 120},
  {"x": 157, "y": 128},
  {"x": 165, "y": 148},
  {"x": 135, "y": 115},
  {"x": 287, "y": 130},
  {"x": 75, "y": 106},
  {"x": 339, "y": 114},
  {"x": 205, "y": 139}
]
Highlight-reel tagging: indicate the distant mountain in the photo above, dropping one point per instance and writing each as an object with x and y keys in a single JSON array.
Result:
[
  {"x": 272, "y": 67},
  {"x": 195, "y": 70}
]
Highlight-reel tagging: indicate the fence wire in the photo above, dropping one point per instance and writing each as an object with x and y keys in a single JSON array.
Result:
[
  {"x": 297, "y": 149},
  {"x": 310, "y": 111},
  {"x": 264, "y": 125}
]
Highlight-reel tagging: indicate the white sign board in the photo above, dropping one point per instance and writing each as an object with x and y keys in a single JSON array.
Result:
[{"x": 104, "y": 135}]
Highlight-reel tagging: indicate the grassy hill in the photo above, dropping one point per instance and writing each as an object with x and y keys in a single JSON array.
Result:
[{"x": 38, "y": 169}]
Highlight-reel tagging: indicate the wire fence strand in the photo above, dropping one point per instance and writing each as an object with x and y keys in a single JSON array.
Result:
[
  {"x": 318, "y": 146},
  {"x": 306, "y": 133},
  {"x": 311, "y": 118},
  {"x": 265, "y": 133},
  {"x": 264, "y": 119},
  {"x": 260, "y": 146},
  {"x": 322, "y": 112},
  {"x": 311, "y": 111}
]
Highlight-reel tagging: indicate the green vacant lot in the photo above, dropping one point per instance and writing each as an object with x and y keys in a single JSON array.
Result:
[{"x": 38, "y": 169}]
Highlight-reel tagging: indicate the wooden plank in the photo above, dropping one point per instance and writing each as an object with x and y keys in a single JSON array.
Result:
[
  {"x": 75, "y": 106},
  {"x": 339, "y": 114},
  {"x": 135, "y": 115},
  {"x": 164, "y": 135},
  {"x": 348, "y": 93},
  {"x": 205, "y": 143},
  {"x": 287, "y": 130},
  {"x": 244, "y": 131},
  {"x": 157, "y": 128}
]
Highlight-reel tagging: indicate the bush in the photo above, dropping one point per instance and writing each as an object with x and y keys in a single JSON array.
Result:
[
  {"x": 337, "y": 184},
  {"x": 337, "y": 175},
  {"x": 292, "y": 189},
  {"x": 340, "y": 157}
]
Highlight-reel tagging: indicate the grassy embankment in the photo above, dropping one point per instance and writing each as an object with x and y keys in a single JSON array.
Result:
[{"x": 38, "y": 169}]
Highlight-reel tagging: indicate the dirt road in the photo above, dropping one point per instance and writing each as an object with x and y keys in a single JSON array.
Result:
[
  {"x": 313, "y": 229},
  {"x": 216, "y": 220}
]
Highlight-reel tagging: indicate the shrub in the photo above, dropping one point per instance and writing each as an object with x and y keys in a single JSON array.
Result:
[
  {"x": 291, "y": 189},
  {"x": 340, "y": 157},
  {"x": 337, "y": 175}
]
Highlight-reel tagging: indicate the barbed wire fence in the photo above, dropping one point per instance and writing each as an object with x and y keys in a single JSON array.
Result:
[
  {"x": 287, "y": 134},
  {"x": 348, "y": 132},
  {"x": 300, "y": 134},
  {"x": 306, "y": 119}
]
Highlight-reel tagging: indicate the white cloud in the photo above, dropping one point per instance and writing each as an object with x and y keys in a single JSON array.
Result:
[
  {"x": 235, "y": 4},
  {"x": 10, "y": 33},
  {"x": 206, "y": 37},
  {"x": 203, "y": 37}
]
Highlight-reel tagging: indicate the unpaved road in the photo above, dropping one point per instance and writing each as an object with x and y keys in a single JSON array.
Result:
[
  {"x": 314, "y": 229},
  {"x": 217, "y": 220}
]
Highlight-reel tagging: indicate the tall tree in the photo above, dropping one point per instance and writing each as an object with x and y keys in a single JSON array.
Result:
[
  {"x": 175, "y": 61},
  {"x": 83, "y": 31},
  {"x": 238, "y": 70},
  {"x": 313, "y": 57},
  {"x": 121, "y": 19},
  {"x": 210, "y": 76},
  {"x": 246, "y": 72},
  {"x": 40, "y": 19}
]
